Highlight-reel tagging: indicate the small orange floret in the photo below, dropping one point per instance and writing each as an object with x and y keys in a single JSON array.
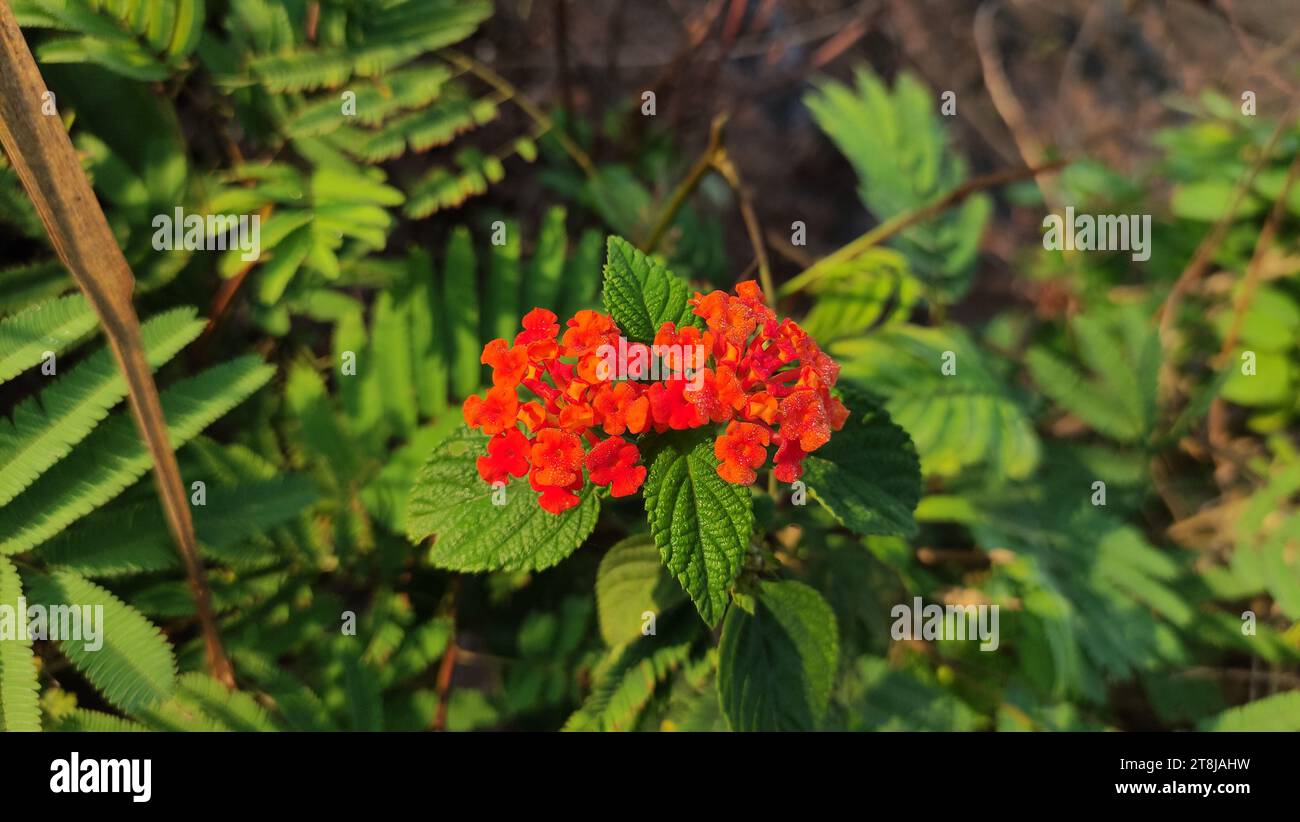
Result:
[
  {"x": 788, "y": 460},
  {"x": 532, "y": 414},
  {"x": 587, "y": 331},
  {"x": 509, "y": 364},
  {"x": 507, "y": 456},
  {"x": 621, "y": 407},
  {"x": 670, "y": 409},
  {"x": 556, "y": 498},
  {"x": 557, "y": 457},
  {"x": 742, "y": 449},
  {"x": 494, "y": 414},
  {"x": 614, "y": 463}
]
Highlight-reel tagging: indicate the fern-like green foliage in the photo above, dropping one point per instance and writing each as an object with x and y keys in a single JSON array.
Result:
[
  {"x": 135, "y": 668},
  {"x": 1100, "y": 602},
  {"x": 875, "y": 290},
  {"x": 881, "y": 698},
  {"x": 898, "y": 147},
  {"x": 471, "y": 175},
  {"x": 948, "y": 395},
  {"x": 64, "y": 454},
  {"x": 1266, "y": 532},
  {"x": 1122, "y": 352},
  {"x": 354, "y": 85},
  {"x": 51, "y": 326},
  {"x": 1278, "y": 713},
  {"x": 626, "y": 682},
  {"x": 140, "y": 39},
  {"x": 43, "y": 430},
  {"x": 113, "y": 457},
  {"x": 19, "y": 708},
  {"x": 314, "y": 219}
]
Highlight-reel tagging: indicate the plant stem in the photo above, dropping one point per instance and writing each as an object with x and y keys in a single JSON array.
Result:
[
  {"x": 686, "y": 186},
  {"x": 43, "y": 157},
  {"x": 899, "y": 222},
  {"x": 543, "y": 121},
  {"x": 1256, "y": 264},
  {"x": 723, "y": 165},
  {"x": 1205, "y": 251}
]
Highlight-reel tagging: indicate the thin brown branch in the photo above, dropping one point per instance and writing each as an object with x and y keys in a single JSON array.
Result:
[
  {"x": 1200, "y": 261},
  {"x": 561, "y": 17},
  {"x": 225, "y": 297},
  {"x": 1256, "y": 265},
  {"x": 543, "y": 121},
  {"x": 889, "y": 228},
  {"x": 42, "y": 154},
  {"x": 447, "y": 667},
  {"x": 687, "y": 185},
  {"x": 727, "y": 169},
  {"x": 1031, "y": 147}
]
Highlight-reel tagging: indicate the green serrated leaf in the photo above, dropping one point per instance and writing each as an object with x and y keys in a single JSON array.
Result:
[
  {"x": 700, "y": 522},
  {"x": 632, "y": 580},
  {"x": 451, "y": 502},
  {"x": 868, "y": 476},
  {"x": 640, "y": 294},
  {"x": 776, "y": 667}
]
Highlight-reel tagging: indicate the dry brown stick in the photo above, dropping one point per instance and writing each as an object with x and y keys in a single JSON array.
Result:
[
  {"x": 727, "y": 169},
  {"x": 840, "y": 42},
  {"x": 1256, "y": 265},
  {"x": 899, "y": 222},
  {"x": 1205, "y": 251},
  {"x": 687, "y": 185},
  {"x": 510, "y": 92},
  {"x": 1217, "y": 420},
  {"x": 1262, "y": 63},
  {"x": 224, "y": 298},
  {"x": 1031, "y": 148},
  {"x": 46, "y": 163},
  {"x": 447, "y": 667},
  {"x": 787, "y": 249}
]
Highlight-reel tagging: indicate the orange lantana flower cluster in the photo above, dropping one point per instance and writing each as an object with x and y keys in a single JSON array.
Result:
[
  {"x": 770, "y": 382},
  {"x": 766, "y": 379}
]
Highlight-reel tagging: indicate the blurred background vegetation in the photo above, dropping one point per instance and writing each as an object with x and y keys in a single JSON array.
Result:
[{"x": 1072, "y": 367}]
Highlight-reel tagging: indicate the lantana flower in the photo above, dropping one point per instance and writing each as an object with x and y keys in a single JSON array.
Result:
[{"x": 766, "y": 380}]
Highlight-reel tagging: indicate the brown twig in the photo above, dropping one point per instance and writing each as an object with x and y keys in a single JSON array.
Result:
[
  {"x": 1200, "y": 261},
  {"x": 561, "y": 16},
  {"x": 447, "y": 667},
  {"x": 1256, "y": 265},
  {"x": 43, "y": 157},
  {"x": 727, "y": 170},
  {"x": 789, "y": 250},
  {"x": 1217, "y": 420},
  {"x": 900, "y": 222},
  {"x": 445, "y": 670},
  {"x": 544, "y": 122},
  {"x": 839, "y": 43},
  {"x": 687, "y": 185},
  {"x": 313, "y": 20},
  {"x": 1261, "y": 62},
  {"x": 1032, "y": 150},
  {"x": 225, "y": 296}
]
